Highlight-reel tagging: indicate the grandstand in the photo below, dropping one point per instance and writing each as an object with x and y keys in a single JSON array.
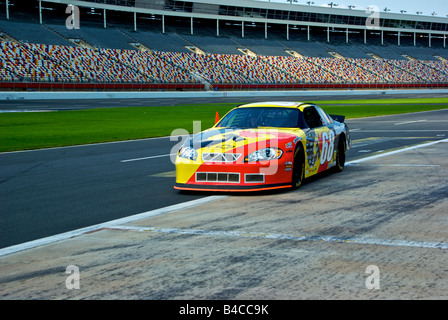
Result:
[{"x": 214, "y": 45}]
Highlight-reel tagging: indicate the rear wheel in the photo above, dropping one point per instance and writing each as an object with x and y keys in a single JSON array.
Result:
[
  {"x": 298, "y": 172},
  {"x": 340, "y": 155}
]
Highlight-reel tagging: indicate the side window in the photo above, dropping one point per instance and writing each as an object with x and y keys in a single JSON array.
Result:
[
  {"x": 312, "y": 117},
  {"x": 326, "y": 119}
]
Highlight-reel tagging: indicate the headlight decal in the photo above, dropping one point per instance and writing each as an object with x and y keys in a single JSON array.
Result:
[
  {"x": 188, "y": 153},
  {"x": 265, "y": 154}
]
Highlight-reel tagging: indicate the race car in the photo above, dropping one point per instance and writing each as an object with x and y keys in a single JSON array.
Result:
[{"x": 263, "y": 146}]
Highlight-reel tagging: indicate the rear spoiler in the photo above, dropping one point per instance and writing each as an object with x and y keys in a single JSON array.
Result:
[{"x": 340, "y": 119}]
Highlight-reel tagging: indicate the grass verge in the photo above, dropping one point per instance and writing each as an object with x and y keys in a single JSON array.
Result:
[{"x": 24, "y": 131}]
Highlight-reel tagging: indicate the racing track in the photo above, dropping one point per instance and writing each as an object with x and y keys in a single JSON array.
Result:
[
  {"x": 52, "y": 191},
  {"x": 47, "y": 192}
]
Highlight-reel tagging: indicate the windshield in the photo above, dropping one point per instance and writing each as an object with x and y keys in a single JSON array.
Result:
[{"x": 263, "y": 117}]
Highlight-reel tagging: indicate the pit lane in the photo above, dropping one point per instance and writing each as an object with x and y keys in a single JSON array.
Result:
[{"x": 314, "y": 243}]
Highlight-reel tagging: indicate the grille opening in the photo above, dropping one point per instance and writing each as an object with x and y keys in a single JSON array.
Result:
[
  {"x": 254, "y": 178},
  {"x": 220, "y": 157},
  {"x": 222, "y": 177},
  {"x": 217, "y": 177},
  {"x": 233, "y": 177}
]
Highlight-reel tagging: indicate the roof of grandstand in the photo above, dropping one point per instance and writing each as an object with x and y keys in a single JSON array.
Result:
[
  {"x": 270, "y": 12},
  {"x": 219, "y": 26}
]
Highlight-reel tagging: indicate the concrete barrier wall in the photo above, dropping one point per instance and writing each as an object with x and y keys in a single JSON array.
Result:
[{"x": 199, "y": 94}]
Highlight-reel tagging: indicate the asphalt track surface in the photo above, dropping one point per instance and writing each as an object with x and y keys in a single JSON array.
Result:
[
  {"x": 313, "y": 243},
  {"x": 57, "y": 105},
  {"x": 52, "y": 191},
  {"x": 376, "y": 231}
]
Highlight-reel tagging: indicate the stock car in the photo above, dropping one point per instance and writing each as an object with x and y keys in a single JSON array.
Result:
[{"x": 263, "y": 146}]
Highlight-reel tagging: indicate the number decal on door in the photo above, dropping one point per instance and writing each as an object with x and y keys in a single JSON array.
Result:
[{"x": 327, "y": 146}]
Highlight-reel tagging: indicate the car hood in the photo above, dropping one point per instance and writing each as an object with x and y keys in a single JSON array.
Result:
[{"x": 223, "y": 140}]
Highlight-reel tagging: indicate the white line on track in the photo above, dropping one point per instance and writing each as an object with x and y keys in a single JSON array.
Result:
[
  {"x": 194, "y": 203},
  {"x": 275, "y": 236},
  {"x": 84, "y": 145},
  {"x": 386, "y": 154},
  {"x": 148, "y": 158},
  {"x": 109, "y": 224},
  {"x": 408, "y": 122},
  {"x": 402, "y": 165}
]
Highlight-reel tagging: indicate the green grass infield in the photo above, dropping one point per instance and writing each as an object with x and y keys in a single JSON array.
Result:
[{"x": 36, "y": 130}]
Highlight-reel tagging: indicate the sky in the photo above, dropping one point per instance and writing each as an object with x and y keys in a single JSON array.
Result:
[{"x": 427, "y": 7}]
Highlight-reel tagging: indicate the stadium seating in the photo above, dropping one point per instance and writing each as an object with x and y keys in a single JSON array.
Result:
[
  {"x": 40, "y": 62},
  {"x": 385, "y": 71},
  {"x": 256, "y": 69},
  {"x": 49, "y": 52},
  {"x": 27, "y": 62},
  {"x": 48, "y": 63},
  {"x": 346, "y": 70},
  {"x": 438, "y": 65},
  {"x": 303, "y": 69},
  {"x": 204, "y": 66},
  {"x": 421, "y": 70},
  {"x": 150, "y": 66}
]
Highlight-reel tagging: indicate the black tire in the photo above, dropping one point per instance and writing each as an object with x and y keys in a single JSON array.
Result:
[
  {"x": 298, "y": 171},
  {"x": 340, "y": 155}
]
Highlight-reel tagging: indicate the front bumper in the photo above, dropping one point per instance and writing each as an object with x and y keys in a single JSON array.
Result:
[
  {"x": 230, "y": 188},
  {"x": 234, "y": 177}
]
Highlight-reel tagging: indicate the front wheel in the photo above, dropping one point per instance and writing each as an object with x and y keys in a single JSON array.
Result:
[
  {"x": 298, "y": 172},
  {"x": 340, "y": 155}
]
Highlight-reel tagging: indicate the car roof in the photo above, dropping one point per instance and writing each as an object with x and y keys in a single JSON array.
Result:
[{"x": 275, "y": 104}]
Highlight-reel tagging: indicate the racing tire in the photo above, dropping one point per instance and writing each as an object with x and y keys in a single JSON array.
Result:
[
  {"x": 298, "y": 171},
  {"x": 340, "y": 155}
]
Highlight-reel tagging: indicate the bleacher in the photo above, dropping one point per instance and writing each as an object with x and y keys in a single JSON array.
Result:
[
  {"x": 111, "y": 38},
  {"x": 216, "y": 45},
  {"x": 27, "y": 32},
  {"x": 168, "y": 42},
  {"x": 48, "y": 53},
  {"x": 308, "y": 49},
  {"x": 264, "y": 47}
]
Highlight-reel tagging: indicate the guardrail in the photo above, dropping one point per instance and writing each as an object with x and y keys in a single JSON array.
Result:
[{"x": 79, "y": 91}]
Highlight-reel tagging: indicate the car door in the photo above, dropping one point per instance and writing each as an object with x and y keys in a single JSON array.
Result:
[
  {"x": 328, "y": 140},
  {"x": 320, "y": 141}
]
